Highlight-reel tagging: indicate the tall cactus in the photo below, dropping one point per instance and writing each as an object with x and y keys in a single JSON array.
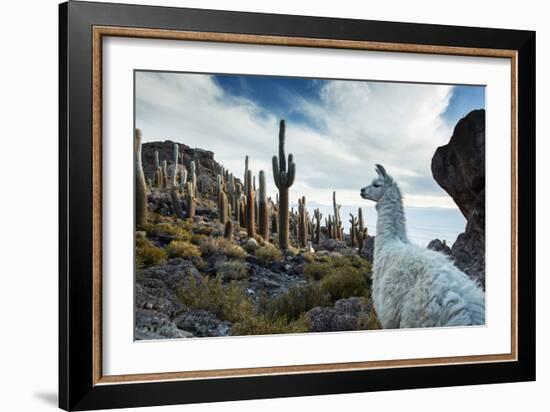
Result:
[
  {"x": 245, "y": 174},
  {"x": 352, "y": 229},
  {"x": 318, "y": 216},
  {"x": 190, "y": 201},
  {"x": 302, "y": 222},
  {"x": 361, "y": 232},
  {"x": 165, "y": 173},
  {"x": 175, "y": 171},
  {"x": 250, "y": 219},
  {"x": 223, "y": 207},
  {"x": 263, "y": 208},
  {"x": 157, "y": 165},
  {"x": 176, "y": 207},
  {"x": 141, "y": 187},
  {"x": 284, "y": 178},
  {"x": 193, "y": 178}
]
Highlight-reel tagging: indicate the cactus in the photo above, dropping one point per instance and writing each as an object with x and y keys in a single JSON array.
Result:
[
  {"x": 190, "y": 201},
  {"x": 245, "y": 174},
  {"x": 302, "y": 222},
  {"x": 141, "y": 188},
  {"x": 318, "y": 216},
  {"x": 193, "y": 178},
  {"x": 263, "y": 208},
  {"x": 165, "y": 179},
  {"x": 222, "y": 206},
  {"x": 175, "y": 171},
  {"x": 329, "y": 227},
  {"x": 284, "y": 178},
  {"x": 243, "y": 212},
  {"x": 352, "y": 229},
  {"x": 228, "y": 234},
  {"x": 157, "y": 165},
  {"x": 337, "y": 221},
  {"x": 361, "y": 232},
  {"x": 176, "y": 206},
  {"x": 183, "y": 179},
  {"x": 250, "y": 218}
]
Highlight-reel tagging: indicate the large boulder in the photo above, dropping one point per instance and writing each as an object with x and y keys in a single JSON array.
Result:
[
  {"x": 345, "y": 315},
  {"x": 459, "y": 168}
]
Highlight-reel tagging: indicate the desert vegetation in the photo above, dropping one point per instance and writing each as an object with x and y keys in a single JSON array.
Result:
[{"x": 217, "y": 255}]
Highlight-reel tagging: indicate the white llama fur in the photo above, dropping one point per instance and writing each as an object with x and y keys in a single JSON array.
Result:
[{"x": 414, "y": 286}]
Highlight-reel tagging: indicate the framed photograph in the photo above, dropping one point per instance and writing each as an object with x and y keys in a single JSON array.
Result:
[{"x": 256, "y": 205}]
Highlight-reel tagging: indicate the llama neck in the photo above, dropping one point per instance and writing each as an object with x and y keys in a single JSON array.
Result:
[{"x": 390, "y": 225}]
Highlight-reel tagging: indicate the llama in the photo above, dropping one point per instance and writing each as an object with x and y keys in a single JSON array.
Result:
[{"x": 413, "y": 286}]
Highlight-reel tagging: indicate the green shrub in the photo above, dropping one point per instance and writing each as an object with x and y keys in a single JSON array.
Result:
[
  {"x": 309, "y": 257},
  {"x": 298, "y": 300},
  {"x": 327, "y": 264},
  {"x": 220, "y": 246},
  {"x": 233, "y": 270},
  {"x": 182, "y": 248},
  {"x": 203, "y": 230},
  {"x": 317, "y": 270},
  {"x": 168, "y": 229},
  {"x": 148, "y": 254},
  {"x": 263, "y": 325},
  {"x": 369, "y": 321},
  {"x": 268, "y": 254},
  {"x": 344, "y": 282},
  {"x": 197, "y": 238},
  {"x": 226, "y": 302}
]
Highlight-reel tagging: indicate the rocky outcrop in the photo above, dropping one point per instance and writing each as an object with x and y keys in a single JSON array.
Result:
[
  {"x": 345, "y": 315},
  {"x": 459, "y": 168},
  {"x": 440, "y": 246}
]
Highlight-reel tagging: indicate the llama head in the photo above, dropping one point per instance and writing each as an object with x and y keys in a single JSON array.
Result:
[{"x": 376, "y": 190}]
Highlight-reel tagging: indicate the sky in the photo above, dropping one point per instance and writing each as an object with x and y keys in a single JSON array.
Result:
[{"x": 336, "y": 129}]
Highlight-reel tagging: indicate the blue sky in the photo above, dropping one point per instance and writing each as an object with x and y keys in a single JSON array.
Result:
[
  {"x": 336, "y": 129},
  {"x": 274, "y": 95}
]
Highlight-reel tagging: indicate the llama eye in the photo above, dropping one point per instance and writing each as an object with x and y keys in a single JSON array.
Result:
[{"x": 376, "y": 185}]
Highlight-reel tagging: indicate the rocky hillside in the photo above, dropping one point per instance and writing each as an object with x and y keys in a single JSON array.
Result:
[{"x": 459, "y": 168}]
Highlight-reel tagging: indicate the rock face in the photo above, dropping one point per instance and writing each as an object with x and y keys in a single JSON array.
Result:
[
  {"x": 440, "y": 246},
  {"x": 459, "y": 168},
  {"x": 343, "y": 316}
]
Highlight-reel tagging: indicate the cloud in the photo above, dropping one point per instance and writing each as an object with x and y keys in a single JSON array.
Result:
[{"x": 350, "y": 127}]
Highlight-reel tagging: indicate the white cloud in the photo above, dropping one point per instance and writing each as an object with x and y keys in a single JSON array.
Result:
[{"x": 358, "y": 124}]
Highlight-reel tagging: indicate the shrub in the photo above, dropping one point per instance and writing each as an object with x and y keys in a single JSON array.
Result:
[
  {"x": 203, "y": 230},
  {"x": 197, "y": 238},
  {"x": 263, "y": 325},
  {"x": 326, "y": 264},
  {"x": 234, "y": 270},
  {"x": 251, "y": 245},
  {"x": 182, "y": 248},
  {"x": 317, "y": 270},
  {"x": 221, "y": 246},
  {"x": 268, "y": 254},
  {"x": 344, "y": 282},
  {"x": 148, "y": 254},
  {"x": 167, "y": 229},
  {"x": 226, "y": 302},
  {"x": 298, "y": 300},
  {"x": 369, "y": 321},
  {"x": 309, "y": 257}
]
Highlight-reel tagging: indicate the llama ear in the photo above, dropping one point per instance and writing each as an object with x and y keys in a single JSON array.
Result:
[{"x": 381, "y": 171}]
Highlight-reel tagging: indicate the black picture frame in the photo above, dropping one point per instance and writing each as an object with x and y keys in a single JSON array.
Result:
[{"x": 77, "y": 390}]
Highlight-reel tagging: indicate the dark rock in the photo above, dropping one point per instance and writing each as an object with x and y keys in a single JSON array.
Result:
[
  {"x": 264, "y": 282},
  {"x": 343, "y": 316},
  {"x": 439, "y": 246},
  {"x": 332, "y": 245},
  {"x": 459, "y": 168},
  {"x": 202, "y": 323},
  {"x": 367, "y": 251},
  {"x": 152, "y": 294},
  {"x": 151, "y": 324}
]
